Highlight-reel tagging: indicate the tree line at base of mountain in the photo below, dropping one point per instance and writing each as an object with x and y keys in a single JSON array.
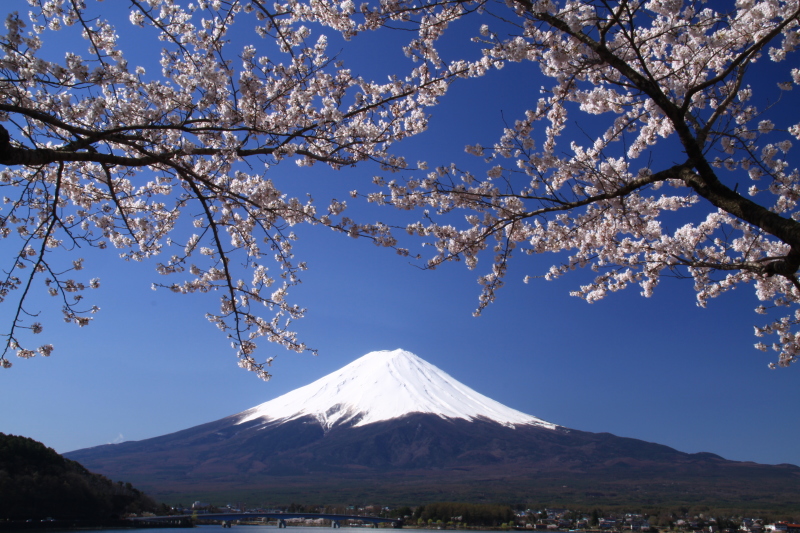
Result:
[
  {"x": 37, "y": 483},
  {"x": 532, "y": 515},
  {"x": 584, "y": 493},
  {"x": 474, "y": 514},
  {"x": 668, "y": 516},
  {"x": 469, "y": 515}
]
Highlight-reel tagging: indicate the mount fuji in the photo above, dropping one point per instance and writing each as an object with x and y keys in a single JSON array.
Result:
[
  {"x": 383, "y": 386},
  {"x": 391, "y": 427}
]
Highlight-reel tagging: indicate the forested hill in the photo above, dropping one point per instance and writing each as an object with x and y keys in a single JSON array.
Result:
[{"x": 36, "y": 483}]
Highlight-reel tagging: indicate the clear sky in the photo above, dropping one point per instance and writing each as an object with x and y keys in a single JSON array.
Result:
[{"x": 658, "y": 369}]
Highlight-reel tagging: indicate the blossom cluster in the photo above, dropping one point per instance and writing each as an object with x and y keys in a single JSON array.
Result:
[
  {"x": 686, "y": 132},
  {"x": 101, "y": 153},
  {"x": 97, "y": 152}
]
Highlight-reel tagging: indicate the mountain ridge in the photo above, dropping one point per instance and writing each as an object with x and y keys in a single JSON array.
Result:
[{"x": 445, "y": 442}]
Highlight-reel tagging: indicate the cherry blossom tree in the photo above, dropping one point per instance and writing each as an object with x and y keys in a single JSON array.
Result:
[
  {"x": 99, "y": 153},
  {"x": 685, "y": 131}
]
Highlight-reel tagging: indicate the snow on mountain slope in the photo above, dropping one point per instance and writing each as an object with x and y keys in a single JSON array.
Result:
[{"x": 382, "y": 386}]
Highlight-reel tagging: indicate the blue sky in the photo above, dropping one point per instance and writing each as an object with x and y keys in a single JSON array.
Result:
[{"x": 658, "y": 369}]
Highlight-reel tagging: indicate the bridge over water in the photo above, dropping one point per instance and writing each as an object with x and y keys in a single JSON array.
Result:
[{"x": 227, "y": 518}]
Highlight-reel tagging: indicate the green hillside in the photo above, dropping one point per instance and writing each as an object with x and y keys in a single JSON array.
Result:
[{"x": 36, "y": 483}]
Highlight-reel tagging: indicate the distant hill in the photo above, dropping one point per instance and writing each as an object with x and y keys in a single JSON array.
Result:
[
  {"x": 392, "y": 428},
  {"x": 37, "y": 483}
]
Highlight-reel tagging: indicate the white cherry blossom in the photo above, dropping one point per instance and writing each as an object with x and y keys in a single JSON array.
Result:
[
  {"x": 678, "y": 83},
  {"x": 97, "y": 152}
]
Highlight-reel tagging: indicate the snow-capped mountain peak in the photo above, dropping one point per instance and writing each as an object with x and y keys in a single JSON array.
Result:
[{"x": 382, "y": 386}]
